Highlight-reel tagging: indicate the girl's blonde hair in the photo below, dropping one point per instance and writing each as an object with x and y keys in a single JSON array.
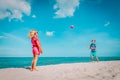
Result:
[{"x": 32, "y": 33}]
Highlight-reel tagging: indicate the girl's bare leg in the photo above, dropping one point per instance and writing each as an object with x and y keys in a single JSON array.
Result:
[
  {"x": 32, "y": 66},
  {"x": 35, "y": 61}
]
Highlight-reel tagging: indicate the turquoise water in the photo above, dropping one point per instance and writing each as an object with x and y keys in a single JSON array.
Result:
[{"x": 20, "y": 62}]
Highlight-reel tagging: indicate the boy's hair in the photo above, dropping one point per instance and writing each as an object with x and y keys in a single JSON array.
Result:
[
  {"x": 32, "y": 33},
  {"x": 93, "y": 40}
]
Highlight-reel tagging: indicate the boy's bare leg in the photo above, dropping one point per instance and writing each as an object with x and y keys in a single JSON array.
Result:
[
  {"x": 92, "y": 58},
  {"x": 97, "y": 59}
]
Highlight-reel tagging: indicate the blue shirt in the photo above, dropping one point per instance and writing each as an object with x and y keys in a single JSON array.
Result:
[{"x": 93, "y": 47}]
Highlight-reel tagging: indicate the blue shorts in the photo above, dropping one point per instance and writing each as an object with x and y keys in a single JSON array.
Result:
[{"x": 93, "y": 53}]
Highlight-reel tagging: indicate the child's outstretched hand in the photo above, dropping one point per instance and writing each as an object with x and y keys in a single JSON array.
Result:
[{"x": 41, "y": 51}]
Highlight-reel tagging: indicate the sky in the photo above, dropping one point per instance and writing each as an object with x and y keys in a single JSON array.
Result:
[{"x": 92, "y": 19}]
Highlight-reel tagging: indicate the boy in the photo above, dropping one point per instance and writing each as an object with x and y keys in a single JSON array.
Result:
[{"x": 93, "y": 51}]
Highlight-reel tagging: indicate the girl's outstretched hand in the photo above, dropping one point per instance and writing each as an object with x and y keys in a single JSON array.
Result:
[{"x": 41, "y": 51}]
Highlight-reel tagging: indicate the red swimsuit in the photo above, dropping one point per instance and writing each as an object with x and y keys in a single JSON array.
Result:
[{"x": 35, "y": 48}]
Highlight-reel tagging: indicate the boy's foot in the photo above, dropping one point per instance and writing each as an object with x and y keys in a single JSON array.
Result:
[{"x": 97, "y": 61}]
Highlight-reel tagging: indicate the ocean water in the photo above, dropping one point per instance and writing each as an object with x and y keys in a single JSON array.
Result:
[{"x": 21, "y": 62}]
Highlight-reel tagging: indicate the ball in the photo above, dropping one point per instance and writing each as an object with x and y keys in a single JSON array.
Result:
[{"x": 72, "y": 26}]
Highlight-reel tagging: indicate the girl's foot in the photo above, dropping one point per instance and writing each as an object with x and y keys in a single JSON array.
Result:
[
  {"x": 31, "y": 69},
  {"x": 35, "y": 69}
]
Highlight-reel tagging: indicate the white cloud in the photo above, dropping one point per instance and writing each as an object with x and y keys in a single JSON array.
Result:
[
  {"x": 33, "y": 16},
  {"x": 48, "y": 33},
  {"x": 14, "y": 9},
  {"x": 65, "y": 8},
  {"x": 107, "y": 24}
]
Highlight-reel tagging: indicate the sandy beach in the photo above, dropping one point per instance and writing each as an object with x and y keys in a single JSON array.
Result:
[{"x": 106, "y": 70}]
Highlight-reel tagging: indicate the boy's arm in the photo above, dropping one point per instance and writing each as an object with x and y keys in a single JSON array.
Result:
[{"x": 90, "y": 47}]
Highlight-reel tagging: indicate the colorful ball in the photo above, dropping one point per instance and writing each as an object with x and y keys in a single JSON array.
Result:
[{"x": 71, "y": 26}]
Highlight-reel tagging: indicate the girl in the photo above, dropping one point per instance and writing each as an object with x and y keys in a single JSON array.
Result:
[{"x": 36, "y": 48}]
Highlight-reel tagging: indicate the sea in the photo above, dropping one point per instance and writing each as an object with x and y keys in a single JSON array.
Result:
[{"x": 22, "y": 62}]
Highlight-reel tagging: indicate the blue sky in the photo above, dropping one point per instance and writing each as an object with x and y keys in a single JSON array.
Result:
[{"x": 92, "y": 19}]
